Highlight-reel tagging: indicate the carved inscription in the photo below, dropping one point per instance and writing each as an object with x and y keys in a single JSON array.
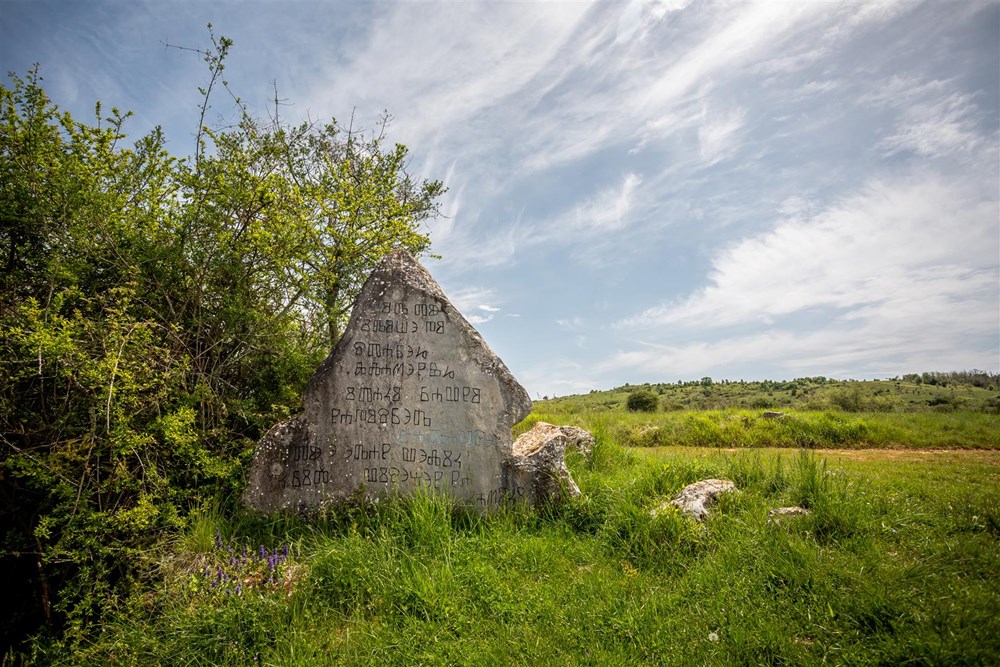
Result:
[
  {"x": 404, "y": 380},
  {"x": 410, "y": 398}
]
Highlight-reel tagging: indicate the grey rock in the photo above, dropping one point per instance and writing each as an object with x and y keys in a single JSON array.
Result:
[
  {"x": 412, "y": 397},
  {"x": 775, "y": 516},
  {"x": 694, "y": 500},
  {"x": 578, "y": 438},
  {"x": 538, "y": 471}
]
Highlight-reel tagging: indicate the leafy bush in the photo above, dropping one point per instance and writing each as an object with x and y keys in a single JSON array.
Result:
[
  {"x": 642, "y": 400},
  {"x": 158, "y": 313}
]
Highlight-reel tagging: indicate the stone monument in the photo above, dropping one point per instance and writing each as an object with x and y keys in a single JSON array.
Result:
[{"x": 411, "y": 397}]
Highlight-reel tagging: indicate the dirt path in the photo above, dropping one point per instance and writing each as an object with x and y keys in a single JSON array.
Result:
[
  {"x": 980, "y": 456},
  {"x": 986, "y": 456}
]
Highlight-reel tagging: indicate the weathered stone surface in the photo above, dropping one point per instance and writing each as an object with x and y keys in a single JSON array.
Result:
[
  {"x": 538, "y": 470},
  {"x": 775, "y": 516},
  {"x": 577, "y": 437},
  {"x": 411, "y": 397},
  {"x": 696, "y": 499}
]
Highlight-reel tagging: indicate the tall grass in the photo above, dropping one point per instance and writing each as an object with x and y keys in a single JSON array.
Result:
[
  {"x": 794, "y": 429},
  {"x": 885, "y": 570}
]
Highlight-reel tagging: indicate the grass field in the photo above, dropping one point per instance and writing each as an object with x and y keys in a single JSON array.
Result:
[
  {"x": 812, "y": 413},
  {"x": 897, "y": 564},
  {"x": 796, "y": 429}
]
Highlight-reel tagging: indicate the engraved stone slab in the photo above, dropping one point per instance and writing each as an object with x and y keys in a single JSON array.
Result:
[{"x": 412, "y": 397}]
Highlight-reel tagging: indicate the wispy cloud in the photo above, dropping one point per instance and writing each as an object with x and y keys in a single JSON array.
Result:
[
  {"x": 716, "y": 135},
  {"x": 470, "y": 56},
  {"x": 902, "y": 272},
  {"x": 605, "y": 212},
  {"x": 938, "y": 128},
  {"x": 572, "y": 324},
  {"x": 470, "y": 299},
  {"x": 871, "y": 248}
]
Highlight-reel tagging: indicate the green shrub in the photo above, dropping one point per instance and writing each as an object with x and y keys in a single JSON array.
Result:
[
  {"x": 158, "y": 314},
  {"x": 642, "y": 400}
]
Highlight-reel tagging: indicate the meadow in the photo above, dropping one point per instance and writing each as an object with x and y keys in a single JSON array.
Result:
[
  {"x": 897, "y": 563},
  {"x": 814, "y": 413},
  {"x": 133, "y": 397}
]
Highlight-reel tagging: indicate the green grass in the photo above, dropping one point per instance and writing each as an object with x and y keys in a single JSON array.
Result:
[
  {"x": 734, "y": 428},
  {"x": 897, "y": 564}
]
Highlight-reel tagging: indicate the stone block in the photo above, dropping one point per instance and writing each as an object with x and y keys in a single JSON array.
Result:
[{"x": 412, "y": 397}]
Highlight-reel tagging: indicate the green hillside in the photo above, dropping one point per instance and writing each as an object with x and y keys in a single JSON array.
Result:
[
  {"x": 928, "y": 392},
  {"x": 933, "y": 411}
]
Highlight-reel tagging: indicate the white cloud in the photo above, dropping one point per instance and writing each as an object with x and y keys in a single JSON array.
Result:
[
  {"x": 716, "y": 136},
  {"x": 816, "y": 38},
  {"x": 901, "y": 90},
  {"x": 572, "y": 324},
  {"x": 879, "y": 347},
  {"x": 739, "y": 34},
  {"x": 607, "y": 211},
  {"x": 878, "y": 243},
  {"x": 469, "y": 57},
  {"x": 902, "y": 272},
  {"x": 558, "y": 377},
  {"x": 468, "y": 299},
  {"x": 639, "y": 16},
  {"x": 937, "y": 128}
]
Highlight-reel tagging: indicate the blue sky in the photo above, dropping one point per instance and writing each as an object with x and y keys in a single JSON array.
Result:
[{"x": 638, "y": 192}]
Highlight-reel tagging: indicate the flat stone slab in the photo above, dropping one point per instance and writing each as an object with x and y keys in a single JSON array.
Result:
[{"x": 411, "y": 398}]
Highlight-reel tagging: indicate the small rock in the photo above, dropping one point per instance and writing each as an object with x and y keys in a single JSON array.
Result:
[
  {"x": 771, "y": 414},
  {"x": 695, "y": 499},
  {"x": 777, "y": 514}
]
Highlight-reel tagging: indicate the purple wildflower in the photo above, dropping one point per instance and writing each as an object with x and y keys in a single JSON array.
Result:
[{"x": 263, "y": 552}]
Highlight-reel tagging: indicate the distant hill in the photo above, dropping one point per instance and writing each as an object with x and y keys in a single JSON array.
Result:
[{"x": 977, "y": 391}]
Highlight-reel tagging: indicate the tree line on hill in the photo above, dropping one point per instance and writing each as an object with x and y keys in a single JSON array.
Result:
[
  {"x": 956, "y": 390},
  {"x": 972, "y": 378}
]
